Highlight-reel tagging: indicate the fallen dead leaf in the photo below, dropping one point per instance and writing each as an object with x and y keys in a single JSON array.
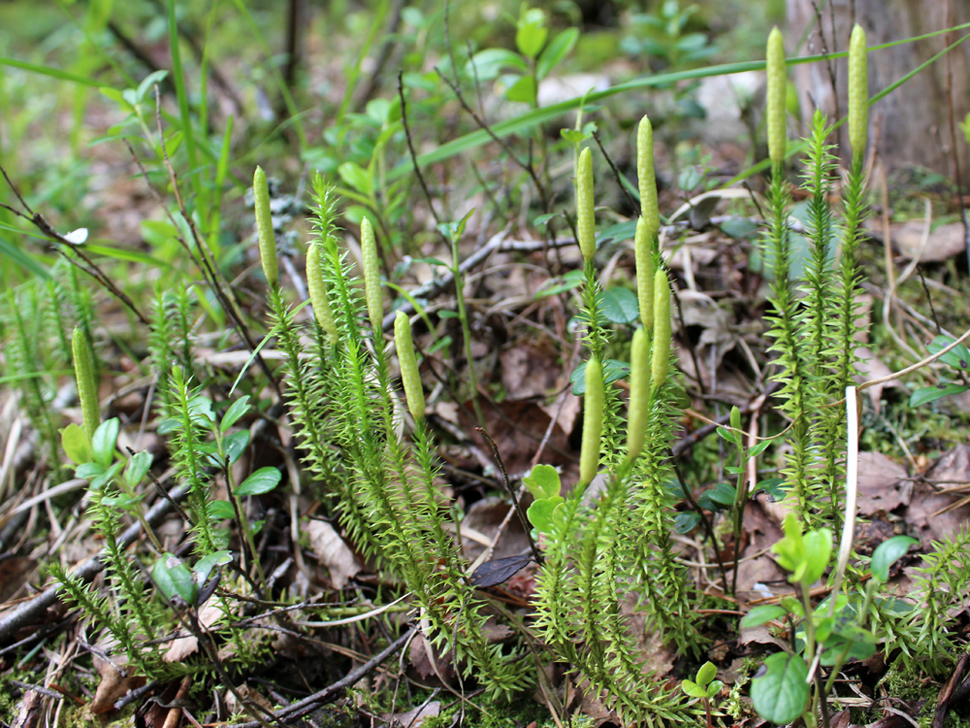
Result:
[
  {"x": 333, "y": 553},
  {"x": 884, "y": 485},
  {"x": 249, "y": 694},
  {"x": 183, "y": 647},
  {"x": 413, "y": 718},
  {"x": 951, "y": 470},
  {"x": 116, "y": 681}
]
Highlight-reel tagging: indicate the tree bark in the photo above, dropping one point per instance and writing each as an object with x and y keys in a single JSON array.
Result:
[{"x": 912, "y": 124}]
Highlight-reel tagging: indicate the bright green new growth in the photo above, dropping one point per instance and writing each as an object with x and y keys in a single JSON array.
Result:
[
  {"x": 410, "y": 376},
  {"x": 661, "y": 329},
  {"x": 317, "y": 286},
  {"x": 372, "y": 276},
  {"x": 585, "y": 207},
  {"x": 646, "y": 180},
  {"x": 777, "y": 89},
  {"x": 639, "y": 393},
  {"x": 858, "y": 93},
  {"x": 87, "y": 383},
  {"x": 589, "y": 456},
  {"x": 643, "y": 253},
  {"x": 264, "y": 227}
]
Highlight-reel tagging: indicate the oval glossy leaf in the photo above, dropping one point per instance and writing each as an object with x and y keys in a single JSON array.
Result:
[
  {"x": 262, "y": 481},
  {"x": 487, "y": 64},
  {"x": 543, "y": 481},
  {"x": 174, "y": 578},
  {"x": 205, "y": 565},
  {"x": 706, "y": 673},
  {"x": 887, "y": 554},
  {"x": 138, "y": 466},
  {"x": 762, "y": 615},
  {"x": 620, "y": 305},
  {"x": 541, "y": 512},
  {"x": 103, "y": 442},
  {"x": 523, "y": 90},
  {"x": 924, "y": 395},
  {"x": 613, "y": 371},
  {"x": 220, "y": 510},
  {"x": 557, "y": 49},
  {"x": 76, "y": 444},
  {"x": 236, "y": 445},
  {"x": 236, "y": 410},
  {"x": 781, "y": 694},
  {"x": 693, "y": 689},
  {"x": 686, "y": 522},
  {"x": 958, "y": 357}
]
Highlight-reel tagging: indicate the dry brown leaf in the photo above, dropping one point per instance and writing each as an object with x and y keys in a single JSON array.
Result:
[
  {"x": 942, "y": 243},
  {"x": 413, "y": 718},
  {"x": 183, "y": 647},
  {"x": 529, "y": 371},
  {"x": 333, "y": 553},
  {"x": 928, "y": 517},
  {"x": 116, "y": 681},
  {"x": 249, "y": 694},
  {"x": 485, "y": 516},
  {"x": 30, "y": 710},
  {"x": 14, "y": 574},
  {"x": 884, "y": 485},
  {"x": 951, "y": 470}
]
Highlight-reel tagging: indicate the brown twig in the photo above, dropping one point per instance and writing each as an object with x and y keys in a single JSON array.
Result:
[{"x": 40, "y": 222}]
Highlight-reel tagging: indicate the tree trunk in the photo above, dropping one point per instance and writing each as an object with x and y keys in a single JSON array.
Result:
[{"x": 912, "y": 124}]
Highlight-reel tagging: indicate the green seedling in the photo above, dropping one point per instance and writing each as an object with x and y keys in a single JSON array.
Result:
[
  {"x": 790, "y": 685},
  {"x": 704, "y": 687},
  {"x": 544, "y": 485}
]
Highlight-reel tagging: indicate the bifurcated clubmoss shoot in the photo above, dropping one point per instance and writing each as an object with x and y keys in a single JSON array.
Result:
[
  {"x": 661, "y": 329},
  {"x": 643, "y": 251},
  {"x": 639, "y": 410},
  {"x": 87, "y": 382},
  {"x": 372, "y": 276},
  {"x": 589, "y": 456},
  {"x": 858, "y": 93},
  {"x": 318, "y": 290},
  {"x": 585, "y": 213},
  {"x": 264, "y": 227},
  {"x": 777, "y": 92},
  {"x": 647, "y": 181}
]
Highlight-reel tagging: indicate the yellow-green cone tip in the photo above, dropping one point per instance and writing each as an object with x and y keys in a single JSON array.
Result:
[
  {"x": 372, "y": 276},
  {"x": 317, "y": 286},
  {"x": 264, "y": 227},
  {"x": 585, "y": 205},
  {"x": 858, "y": 93},
  {"x": 639, "y": 393},
  {"x": 661, "y": 329},
  {"x": 643, "y": 252},
  {"x": 410, "y": 375},
  {"x": 776, "y": 96},
  {"x": 87, "y": 384},
  {"x": 593, "y": 404},
  {"x": 646, "y": 179}
]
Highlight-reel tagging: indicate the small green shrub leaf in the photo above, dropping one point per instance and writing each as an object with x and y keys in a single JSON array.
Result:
[
  {"x": 543, "y": 482},
  {"x": 542, "y": 512},
  {"x": 174, "y": 578},
  {"x": 887, "y": 554},
  {"x": 220, "y": 510},
  {"x": 486, "y": 65},
  {"x": 706, "y": 673},
  {"x": 76, "y": 444},
  {"x": 207, "y": 563},
  {"x": 762, "y": 615},
  {"x": 523, "y": 90},
  {"x": 138, "y": 466},
  {"x": 925, "y": 395},
  {"x": 693, "y": 689},
  {"x": 613, "y": 371},
  {"x": 236, "y": 410},
  {"x": 262, "y": 481},
  {"x": 958, "y": 357},
  {"x": 686, "y": 522},
  {"x": 103, "y": 442},
  {"x": 781, "y": 694},
  {"x": 620, "y": 305},
  {"x": 558, "y": 48},
  {"x": 236, "y": 444}
]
